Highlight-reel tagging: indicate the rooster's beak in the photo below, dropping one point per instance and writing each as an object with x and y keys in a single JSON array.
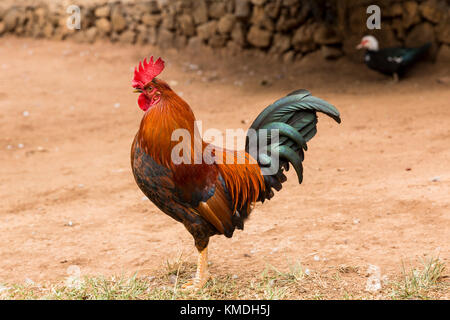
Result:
[
  {"x": 359, "y": 46},
  {"x": 137, "y": 91}
]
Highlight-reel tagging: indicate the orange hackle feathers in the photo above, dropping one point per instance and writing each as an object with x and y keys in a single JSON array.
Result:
[
  {"x": 146, "y": 72},
  {"x": 243, "y": 179}
]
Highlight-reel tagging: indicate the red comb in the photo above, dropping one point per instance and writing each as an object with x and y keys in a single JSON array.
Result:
[{"x": 147, "y": 71}]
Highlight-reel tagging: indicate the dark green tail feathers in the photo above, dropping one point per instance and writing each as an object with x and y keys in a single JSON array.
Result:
[{"x": 295, "y": 118}]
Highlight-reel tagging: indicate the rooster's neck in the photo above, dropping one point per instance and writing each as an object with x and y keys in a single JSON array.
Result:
[{"x": 159, "y": 124}]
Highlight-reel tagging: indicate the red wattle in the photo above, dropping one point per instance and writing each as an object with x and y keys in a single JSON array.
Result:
[{"x": 144, "y": 102}]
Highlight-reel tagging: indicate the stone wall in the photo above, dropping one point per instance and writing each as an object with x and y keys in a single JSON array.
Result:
[{"x": 287, "y": 28}]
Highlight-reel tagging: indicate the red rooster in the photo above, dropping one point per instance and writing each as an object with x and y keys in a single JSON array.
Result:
[{"x": 212, "y": 197}]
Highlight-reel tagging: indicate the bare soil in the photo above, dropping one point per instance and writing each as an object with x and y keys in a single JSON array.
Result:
[{"x": 376, "y": 188}]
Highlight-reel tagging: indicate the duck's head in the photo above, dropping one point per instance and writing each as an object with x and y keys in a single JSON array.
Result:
[{"x": 369, "y": 43}]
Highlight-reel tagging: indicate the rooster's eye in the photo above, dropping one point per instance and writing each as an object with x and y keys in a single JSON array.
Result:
[{"x": 149, "y": 89}]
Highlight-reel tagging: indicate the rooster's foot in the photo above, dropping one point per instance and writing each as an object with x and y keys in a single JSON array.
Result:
[
  {"x": 196, "y": 283},
  {"x": 202, "y": 275}
]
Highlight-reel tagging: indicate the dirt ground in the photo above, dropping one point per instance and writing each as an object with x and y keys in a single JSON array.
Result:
[{"x": 376, "y": 188}]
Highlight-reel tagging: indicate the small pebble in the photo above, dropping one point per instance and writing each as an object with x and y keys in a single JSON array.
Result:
[
  {"x": 26, "y": 113},
  {"x": 172, "y": 278},
  {"x": 316, "y": 258},
  {"x": 117, "y": 105},
  {"x": 355, "y": 221},
  {"x": 193, "y": 67},
  {"x": 307, "y": 272},
  {"x": 436, "y": 179},
  {"x": 20, "y": 145}
]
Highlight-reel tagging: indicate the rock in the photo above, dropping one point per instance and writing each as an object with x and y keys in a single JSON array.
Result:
[
  {"x": 11, "y": 19},
  {"x": 47, "y": 31},
  {"x": 79, "y": 36},
  {"x": 2, "y": 11},
  {"x": 41, "y": 16},
  {"x": 233, "y": 48},
  {"x": 287, "y": 22},
  {"x": 205, "y": 31},
  {"x": 357, "y": 21},
  {"x": 443, "y": 31},
  {"x": 330, "y": 53},
  {"x": 430, "y": 11},
  {"x": 242, "y": 8},
  {"x": 196, "y": 44},
  {"x": 151, "y": 20},
  {"x": 180, "y": 41},
  {"x": 226, "y": 24},
  {"x": 87, "y": 18},
  {"x": 289, "y": 3},
  {"x": 152, "y": 7},
  {"x": 166, "y": 38},
  {"x": 91, "y": 34},
  {"x": 258, "y": 37},
  {"x": 103, "y": 25},
  {"x": 128, "y": 37},
  {"x": 152, "y": 36},
  {"x": 200, "y": 12},
  {"x": 281, "y": 43},
  {"x": 217, "y": 41},
  {"x": 420, "y": 34},
  {"x": 272, "y": 9},
  {"x": 187, "y": 26},
  {"x": 443, "y": 54},
  {"x": 168, "y": 21},
  {"x": 410, "y": 14},
  {"x": 289, "y": 56},
  {"x": 324, "y": 36},
  {"x": 373, "y": 283},
  {"x": 260, "y": 19},
  {"x": 443, "y": 80},
  {"x": 118, "y": 21},
  {"x": 303, "y": 39},
  {"x": 103, "y": 11},
  {"x": 217, "y": 10},
  {"x": 394, "y": 10},
  {"x": 397, "y": 26},
  {"x": 238, "y": 34}
]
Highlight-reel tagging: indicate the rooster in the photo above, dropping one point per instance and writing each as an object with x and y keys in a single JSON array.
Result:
[
  {"x": 213, "y": 198},
  {"x": 390, "y": 61}
]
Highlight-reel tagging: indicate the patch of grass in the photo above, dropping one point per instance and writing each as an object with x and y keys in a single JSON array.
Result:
[
  {"x": 294, "y": 283},
  {"x": 421, "y": 283}
]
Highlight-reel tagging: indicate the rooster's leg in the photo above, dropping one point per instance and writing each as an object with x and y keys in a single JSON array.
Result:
[{"x": 202, "y": 274}]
